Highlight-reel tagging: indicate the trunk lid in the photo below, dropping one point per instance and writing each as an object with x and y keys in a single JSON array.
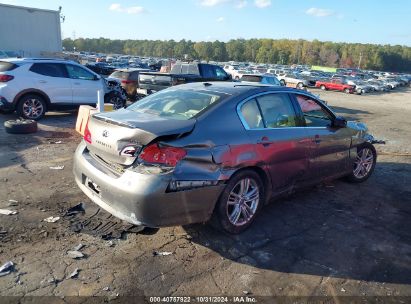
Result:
[{"x": 113, "y": 131}]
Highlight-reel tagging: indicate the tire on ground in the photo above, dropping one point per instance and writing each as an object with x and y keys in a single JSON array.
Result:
[
  {"x": 24, "y": 126},
  {"x": 220, "y": 218},
  {"x": 352, "y": 178}
]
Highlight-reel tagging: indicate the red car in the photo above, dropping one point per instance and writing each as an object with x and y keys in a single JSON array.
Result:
[{"x": 336, "y": 85}]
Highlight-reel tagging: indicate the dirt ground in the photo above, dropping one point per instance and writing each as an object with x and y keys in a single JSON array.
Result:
[{"x": 337, "y": 239}]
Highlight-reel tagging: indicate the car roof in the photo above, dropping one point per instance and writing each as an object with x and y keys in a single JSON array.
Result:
[
  {"x": 238, "y": 88},
  {"x": 37, "y": 60}
]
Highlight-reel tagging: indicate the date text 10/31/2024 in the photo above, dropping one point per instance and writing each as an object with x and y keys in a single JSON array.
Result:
[{"x": 203, "y": 299}]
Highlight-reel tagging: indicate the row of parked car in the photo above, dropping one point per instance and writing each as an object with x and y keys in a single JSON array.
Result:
[
  {"x": 359, "y": 82},
  {"x": 33, "y": 86}
]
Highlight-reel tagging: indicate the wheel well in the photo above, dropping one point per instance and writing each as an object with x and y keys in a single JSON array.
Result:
[
  {"x": 35, "y": 92},
  {"x": 264, "y": 177}
]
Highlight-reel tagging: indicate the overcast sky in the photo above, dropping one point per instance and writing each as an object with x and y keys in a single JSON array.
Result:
[{"x": 365, "y": 21}]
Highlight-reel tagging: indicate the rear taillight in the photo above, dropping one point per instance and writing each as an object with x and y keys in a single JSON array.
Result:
[
  {"x": 168, "y": 156},
  {"x": 5, "y": 78},
  {"x": 127, "y": 81},
  {"x": 87, "y": 134}
]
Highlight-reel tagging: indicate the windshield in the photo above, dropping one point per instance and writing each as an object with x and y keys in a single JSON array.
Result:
[{"x": 176, "y": 104}]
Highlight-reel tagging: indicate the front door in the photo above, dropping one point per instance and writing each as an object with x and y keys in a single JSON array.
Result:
[
  {"x": 84, "y": 84},
  {"x": 329, "y": 153}
]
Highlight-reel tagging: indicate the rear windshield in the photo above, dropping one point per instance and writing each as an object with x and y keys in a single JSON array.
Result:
[
  {"x": 119, "y": 74},
  {"x": 176, "y": 104},
  {"x": 251, "y": 78},
  {"x": 7, "y": 66}
]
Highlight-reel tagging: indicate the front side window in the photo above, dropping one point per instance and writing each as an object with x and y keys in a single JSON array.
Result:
[
  {"x": 314, "y": 114},
  {"x": 76, "y": 72},
  {"x": 221, "y": 74},
  {"x": 49, "y": 69},
  {"x": 175, "y": 104},
  {"x": 277, "y": 110}
]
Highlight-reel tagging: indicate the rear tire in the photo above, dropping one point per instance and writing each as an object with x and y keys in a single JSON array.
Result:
[
  {"x": 239, "y": 203},
  {"x": 25, "y": 126},
  {"x": 322, "y": 87},
  {"x": 364, "y": 164},
  {"x": 300, "y": 85},
  {"x": 31, "y": 106},
  {"x": 282, "y": 81}
]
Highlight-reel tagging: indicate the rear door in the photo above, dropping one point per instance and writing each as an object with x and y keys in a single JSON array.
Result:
[
  {"x": 52, "y": 79},
  {"x": 84, "y": 84},
  {"x": 280, "y": 141},
  {"x": 329, "y": 153}
]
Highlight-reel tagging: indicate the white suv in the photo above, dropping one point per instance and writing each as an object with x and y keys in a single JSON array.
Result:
[{"x": 31, "y": 87}]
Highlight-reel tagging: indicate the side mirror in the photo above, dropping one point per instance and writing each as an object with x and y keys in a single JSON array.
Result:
[
  {"x": 97, "y": 77},
  {"x": 229, "y": 77},
  {"x": 339, "y": 122}
]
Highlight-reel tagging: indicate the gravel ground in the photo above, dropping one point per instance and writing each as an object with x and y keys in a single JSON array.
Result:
[{"x": 337, "y": 239}]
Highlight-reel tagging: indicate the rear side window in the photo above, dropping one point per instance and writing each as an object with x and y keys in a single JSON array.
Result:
[
  {"x": 252, "y": 115},
  {"x": 7, "y": 66},
  {"x": 49, "y": 69}
]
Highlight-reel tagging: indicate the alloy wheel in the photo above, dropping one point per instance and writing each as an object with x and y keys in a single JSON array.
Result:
[
  {"x": 243, "y": 201},
  {"x": 363, "y": 163},
  {"x": 33, "y": 108}
]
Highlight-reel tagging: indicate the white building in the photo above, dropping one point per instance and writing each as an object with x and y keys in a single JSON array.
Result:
[{"x": 29, "y": 31}]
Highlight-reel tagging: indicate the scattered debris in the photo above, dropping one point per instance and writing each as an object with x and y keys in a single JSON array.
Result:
[
  {"x": 8, "y": 212},
  {"x": 246, "y": 292},
  {"x": 75, "y": 254},
  {"x": 343, "y": 290},
  {"x": 156, "y": 253},
  {"x": 13, "y": 202},
  {"x": 74, "y": 274},
  {"x": 110, "y": 243},
  {"x": 106, "y": 289},
  {"x": 3, "y": 232},
  {"x": 78, "y": 247},
  {"x": 57, "y": 168},
  {"x": 6, "y": 268},
  {"x": 56, "y": 142},
  {"x": 51, "y": 219},
  {"x": 79, "y": 208}
]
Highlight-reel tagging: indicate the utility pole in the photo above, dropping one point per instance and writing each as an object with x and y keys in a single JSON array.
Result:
[{"x": 359, "y": 63}]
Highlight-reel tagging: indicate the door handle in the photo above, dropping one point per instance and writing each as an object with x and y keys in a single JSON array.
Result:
[{"x": 265, "y": 141}]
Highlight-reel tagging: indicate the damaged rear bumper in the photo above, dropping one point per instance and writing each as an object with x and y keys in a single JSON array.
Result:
[{"x": 142, "y": 199}]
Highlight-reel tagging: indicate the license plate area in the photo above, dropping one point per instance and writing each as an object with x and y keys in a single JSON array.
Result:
[{"x": 93, "y": 186}]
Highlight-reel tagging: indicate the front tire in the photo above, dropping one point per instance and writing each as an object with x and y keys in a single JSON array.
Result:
[
  {"x": 300, "y": 85},
  {"x": 238, "y": 205},
  {"x": 322, "y": 87},
  {"x": 347, "y": 91},
  {"x": 116, "y": 99},
  {"x": 31, "y": 106},
  {"x": 364, "y": 164}
]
